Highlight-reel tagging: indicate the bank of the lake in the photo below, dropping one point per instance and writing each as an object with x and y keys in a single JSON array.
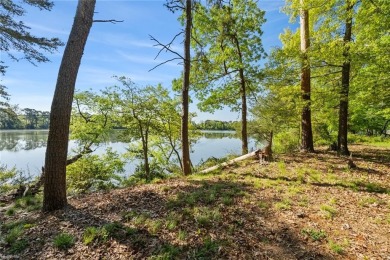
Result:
[{"x": 300, "y": 206}]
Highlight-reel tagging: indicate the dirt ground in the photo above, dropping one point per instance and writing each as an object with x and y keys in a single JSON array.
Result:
[{"x": 300, "y": 206}]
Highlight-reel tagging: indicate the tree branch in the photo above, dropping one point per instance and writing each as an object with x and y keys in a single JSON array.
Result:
[
  {"x": 162, "y": 63},
  {"x": 327, "y": 74},
  {"x": 108, "y": 21},
  {"x": 166, "y": 47}
]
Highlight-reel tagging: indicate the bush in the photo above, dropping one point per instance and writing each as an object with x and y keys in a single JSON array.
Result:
[
  {"x": 64, "y": 241},
  {"x": 355, "y": 138},
  {"x": 102, "y": 234},
  {"x": 95, "y": 172},
  {"x": 6, "y": 176},
  {"x": 19, "y": 246},
  {"x": 324, "y": 134},
  {"x": 287, "y": 141}
]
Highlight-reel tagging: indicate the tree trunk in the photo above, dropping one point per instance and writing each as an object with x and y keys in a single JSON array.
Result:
[
  {"x": 57, "y": 144},
  {"x": 185, "y": 92},
  {"x": 342, "y": 145},
  {"x": 384, "y": 129},
  {"x": 230, "y": 162},
  {"x": 146, "y": 158},
  {"x": 244, "y": 132},
  {"x": 307, "y": 134}
]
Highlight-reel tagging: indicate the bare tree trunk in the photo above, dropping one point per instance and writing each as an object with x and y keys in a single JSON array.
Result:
[
  {"x": 244, "y": 131},
  {"x": 146, "y": 158},
  {"x": 57, "y": 144},
  {"x": 307, "y": 134},
  {"x": 342, "y": 145},
  {"x": 185, "y": 92}
]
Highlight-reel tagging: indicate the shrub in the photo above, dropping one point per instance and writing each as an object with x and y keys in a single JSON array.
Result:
[
  {"x": 90, "y": 234},
  {"x": 315, "y": 235},
  {"x": 18, "y": 246},
  {"x": 64, "y": 241},
  {"x": 206, "y": 217},
  {"x": 10, "y": 212},
  {"x": 30, "y": 203},
  {"x": 355, "y": 138},
  {"x": 207, "y": 250},
  {"x": 6, "y": 177},
  {"x": 328, "y": 211},
  {"x": 102, "y": 234},
  {"x": 13, "y": 234},
  {"x": 95, "y": 172},
  {"x": 336, "y": 247},
  {"x": 287, "y": 141}
]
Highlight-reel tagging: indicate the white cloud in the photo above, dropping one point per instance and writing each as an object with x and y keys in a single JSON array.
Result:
[{"x": 45, "y": 29}]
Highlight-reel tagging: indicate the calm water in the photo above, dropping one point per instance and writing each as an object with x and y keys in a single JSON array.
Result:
[{"x": 26, "y": 149}]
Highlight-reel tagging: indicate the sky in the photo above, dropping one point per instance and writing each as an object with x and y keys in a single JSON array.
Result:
[{"x": 121, "y": 49}]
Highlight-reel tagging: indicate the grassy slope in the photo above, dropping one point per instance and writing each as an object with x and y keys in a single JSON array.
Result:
[{"x": 298, "y": 207}]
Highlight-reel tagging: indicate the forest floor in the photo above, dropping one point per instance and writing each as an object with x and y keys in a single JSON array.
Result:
[{"x": 301, "y": 206}]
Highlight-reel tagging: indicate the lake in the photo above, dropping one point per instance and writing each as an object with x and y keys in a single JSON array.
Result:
[{"x": 25, "y": 149}]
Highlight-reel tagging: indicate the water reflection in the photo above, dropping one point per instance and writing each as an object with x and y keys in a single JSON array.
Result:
[
  {"x": 219, "y": 134},
  {"x": 17, "y": 140},
  {"x": 25, "y": 149}
]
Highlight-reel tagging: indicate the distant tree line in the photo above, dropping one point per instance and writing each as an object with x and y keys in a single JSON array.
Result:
[
  {"x": 11, "y": 117},
  {"x": 27, "y": 118},
  {"x": 216, "y": 125}
]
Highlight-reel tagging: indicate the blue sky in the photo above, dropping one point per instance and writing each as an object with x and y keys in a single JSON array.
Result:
[{"x": 122, "y": 49}]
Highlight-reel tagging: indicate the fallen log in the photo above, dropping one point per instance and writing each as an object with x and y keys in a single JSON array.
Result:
[{"x": 230, "y": 162}]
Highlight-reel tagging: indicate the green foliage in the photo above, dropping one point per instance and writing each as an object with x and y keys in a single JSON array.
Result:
[
  {"x": 95, "y": 172},
  {"x": 211, "y": 161},
  {"x": 90, "y": 235},
  {"x": 18, "y": 246},
  {"x": 152, "y": 121},
  {"x": 225, "y": 70},
  {"x": 137, "y": 218},
  {"x": 93, "y": 117},
  {"x": 13, "y": 234},
  {"x": 285, "y": 204},
  {"x": 155, "y": 226},
  {"x": 9, "y": 118},
  {"x": 286, "y": 141},
  {"x": 355, "y": 138},
  {"x": 207, "y": 195},
  {"x": 262, "y": 205},
  {"x": 10, "y": 212},
  {"x": 166, "y": 252},
  {"x": 208, "y": 250},
  {"x": 215, "y": 125},
  {"x": 368, "y": 88},
  {"x": 6, "y": 176},
  {"x": 274, "y": 112},
  {"x": 337, "y": 248},
  {"x": 29, "y": 203},
  {"x": 315, "y": 235},
  {"x": 182, "y": 235},
  {"x": 102, "y": 234},
  {"x": 17, "y": 42},
  {"x": 228, "y": 39},
  {"x": 328, "y": 211},
  {"x": 64, "y": 241},
  {"x": 367, "y": 201},
  {"x": 172, "y": 221},
  {"x": 206, "y": 217}
]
